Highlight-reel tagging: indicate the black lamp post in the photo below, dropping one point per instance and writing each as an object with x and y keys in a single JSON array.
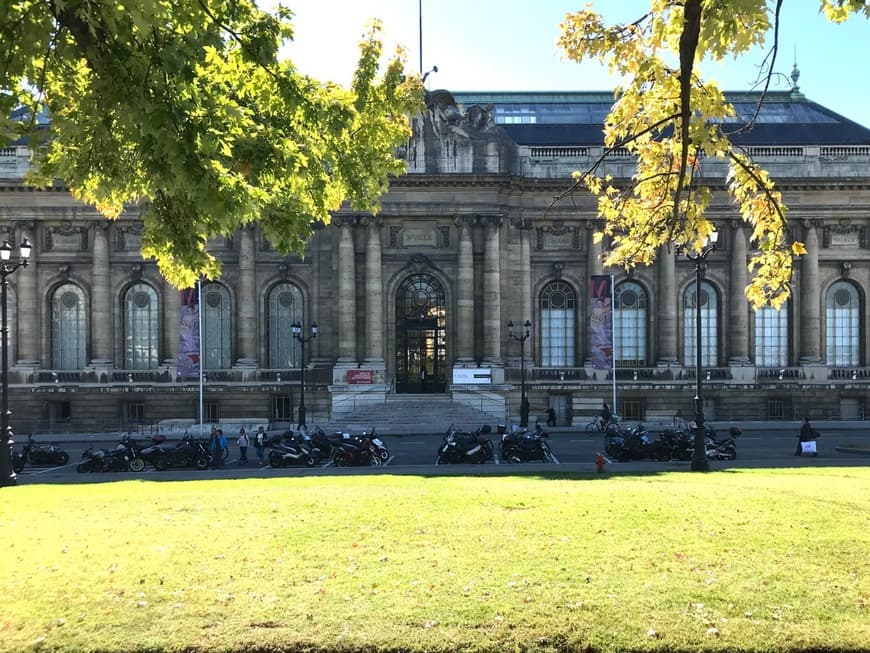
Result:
[
  {"x": 7, "y": 473},
  {"x": 699, "y": 455},
  {"x": 524, "y": 403},
  {"x": 297, "y": 334}
]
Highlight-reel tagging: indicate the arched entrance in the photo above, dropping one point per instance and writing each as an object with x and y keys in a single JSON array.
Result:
[{"x": 421, "y": 341}]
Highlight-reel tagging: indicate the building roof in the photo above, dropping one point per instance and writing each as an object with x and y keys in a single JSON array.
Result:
[{"x": 577, "y": 118}]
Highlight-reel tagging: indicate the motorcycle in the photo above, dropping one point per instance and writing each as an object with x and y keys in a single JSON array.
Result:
[
  {"x": 355, "y": 452},
  {"x": 104, "y": 460},
  {"x": 132, "y": 448},
  {"x": 35, "y": 453},
  {"x": 464, "y": 447},
  {"x": 635, "y": 444},
  {"x": 291, "y": 452},
  {"x": 725, "y": 448},
  {"x": 188, "y": 452},
  {"x": 522, "y": 446}
]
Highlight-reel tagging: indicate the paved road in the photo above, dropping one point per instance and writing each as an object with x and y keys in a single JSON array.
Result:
[{"x": 760, "y": 446}]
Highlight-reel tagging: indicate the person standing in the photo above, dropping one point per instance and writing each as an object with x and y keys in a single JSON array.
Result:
[
  {"x": 606, "y": 416},
  {"x": 551, "y": 416},
  {"x": 260, "y": 443},
  {"x": 807, "y": 434},
  {"x": 243, "y": 446}
]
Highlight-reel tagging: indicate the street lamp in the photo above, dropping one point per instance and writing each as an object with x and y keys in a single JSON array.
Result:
[
  {"x": 699, "y": 455},
  {"x": 297, "y": 334},
  {"x": 524, "y": 403},
  {"x": 7, "y": 473}
]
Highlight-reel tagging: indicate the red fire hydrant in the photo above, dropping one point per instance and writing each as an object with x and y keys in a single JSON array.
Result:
[{"x": 599, "y": 463}]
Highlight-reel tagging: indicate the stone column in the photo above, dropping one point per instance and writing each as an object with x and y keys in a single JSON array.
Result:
[
  {"x": 101, "y": 306},
  {"x": 465, "y": 293},
  {"x": 810, "y": 322},
  {"x": 346, "y": 294},
  {"x": 492, "y": 327},
  {"x": 374, "y": 297},
  {"x": 738, "y": 305},
  {"x": 247, "y": 299},
  {"x": 171, "y": 323},
  {"x": 28, "y": 304},
  {"x": 666, "y": 308}
]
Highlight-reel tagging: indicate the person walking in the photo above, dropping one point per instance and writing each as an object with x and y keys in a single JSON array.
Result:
[
  {"x": 219, "y": 445},
  {"x": 260, "y": 443},
  {"x": 606, "y": 417},
  {"x": 551, "y": 416},
  {"x": 807, "y": 434},
  {"x": 243, "y": 446}
]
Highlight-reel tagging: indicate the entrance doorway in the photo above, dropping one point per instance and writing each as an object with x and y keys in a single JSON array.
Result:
[{"x": 421, "y": 347}]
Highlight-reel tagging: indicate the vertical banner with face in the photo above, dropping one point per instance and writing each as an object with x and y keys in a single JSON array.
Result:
[
  {"x": 188, "y": 349},
  {"x": 601, "y": 322}
]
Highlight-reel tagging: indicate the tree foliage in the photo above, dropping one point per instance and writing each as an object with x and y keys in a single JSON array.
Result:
[
  {"x": 670, "y": 119},
  {"x": 186, "y": 107}
]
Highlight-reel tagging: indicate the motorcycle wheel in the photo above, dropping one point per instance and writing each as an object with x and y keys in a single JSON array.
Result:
[
  {"x": 62, "y": 458},
  {"x": 487, "y": 451},
  {"x": 309, "y": 461},
  {"x": 384, "y": 454},
  {"x": 137, "y": 465},
  {"x": 514, "y": 458},
  {"x": 201, "y": 462},
  {"x": 339, "y": 460},
  {"x": 160, "y": 465},
  {"x": 728, "y": 453},
  {"x": 17, "y": 464},
  {"x": 84, "y": 467},
  {"x": 441, "y": 460},
  {"x": 375, "y": 461},
  {"x": 275, "y": 459}
]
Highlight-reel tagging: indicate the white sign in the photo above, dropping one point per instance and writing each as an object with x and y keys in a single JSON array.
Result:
[{"x": 469, "y": 375}]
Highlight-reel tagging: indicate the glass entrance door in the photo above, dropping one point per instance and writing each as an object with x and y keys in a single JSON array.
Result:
[{"x": 421, "y": 352}]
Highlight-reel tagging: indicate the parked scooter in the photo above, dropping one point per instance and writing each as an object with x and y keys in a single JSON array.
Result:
[
  {"x": 34, "y": 453},
  {"x": 465, "y": 447},
  {"x": 291, "y": 451}
]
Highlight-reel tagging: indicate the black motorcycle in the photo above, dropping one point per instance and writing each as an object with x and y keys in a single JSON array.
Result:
[
  {"x": 635, "y": 444},
  {"x": 188, "y": 452},
  {"x": 522, "y": 446},
  {"x": 34, "y": 453},
  {"x": 104, "y": 460},
  {"x": 465, "y": 447},
  {"x": 132, "y": 448}
]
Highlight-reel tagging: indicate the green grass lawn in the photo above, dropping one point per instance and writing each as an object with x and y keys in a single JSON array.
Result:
[{"x": 753, "y": 560}]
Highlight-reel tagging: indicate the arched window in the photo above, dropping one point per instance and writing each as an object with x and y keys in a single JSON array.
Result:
[
  {"x": 285, "y": 308},
  {"x": 216, "y": 318},
  {"x": 69, "y": 328},
  {"x": 558, "y": 319},
  {"x": 629, "y": 324},
  {"x": 771, "y": 336},
  {"x": 141, "y": 328},
  {"x": 842, "y": 326},
  {"x": 709, "y": 321}
]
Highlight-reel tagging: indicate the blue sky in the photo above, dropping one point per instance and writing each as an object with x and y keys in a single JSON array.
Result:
[{"x": 511, "y": 45}]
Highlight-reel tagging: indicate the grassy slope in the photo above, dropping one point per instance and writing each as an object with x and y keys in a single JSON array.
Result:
[{"x": 740, "y": 560}]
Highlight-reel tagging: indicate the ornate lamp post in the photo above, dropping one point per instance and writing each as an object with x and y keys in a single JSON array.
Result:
[
  {"x": 524, "y": 403},
  {"x": 7, "y": 474},
  {"x": 297, "y": 334},
  {"x": 699, "y": 455}
]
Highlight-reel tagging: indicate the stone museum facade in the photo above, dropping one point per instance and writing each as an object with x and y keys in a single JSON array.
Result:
[{"x": 417, "y": 299}]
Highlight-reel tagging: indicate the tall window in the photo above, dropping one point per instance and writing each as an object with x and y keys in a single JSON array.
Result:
[
  {"x": 842, "y": 326},
  {"x": 558, "y": 316},
  {"x": 216, "y": 317},
  {"x": 709, "y": 332},
  {"x": 69, "y": 328},
  {"x": 141, "y": 328},
  {"x": 285, "y": 307},
  {"x": 629, "y": 324},
  {"x": 771, "y": 337}
]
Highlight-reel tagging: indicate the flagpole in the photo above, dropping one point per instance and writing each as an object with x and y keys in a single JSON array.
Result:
[
  {"x": 613, "y": 338},
  {"x": 199, "y": 324}
]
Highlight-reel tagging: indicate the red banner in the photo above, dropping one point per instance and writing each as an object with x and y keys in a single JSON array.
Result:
[{"x": 359, "y": 376}]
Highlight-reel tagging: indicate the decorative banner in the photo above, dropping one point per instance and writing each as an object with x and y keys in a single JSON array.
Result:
[
  {"x": 188, "y": 348},
  {"x": 601, "y": 322}
]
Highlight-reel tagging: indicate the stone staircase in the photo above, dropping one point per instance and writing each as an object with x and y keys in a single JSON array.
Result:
[{"x": 408, "y": 414}]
